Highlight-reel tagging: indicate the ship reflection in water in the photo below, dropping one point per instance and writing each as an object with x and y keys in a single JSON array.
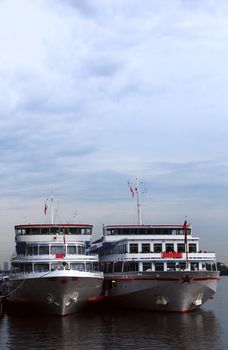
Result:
[{"x": 112, "y": 329}]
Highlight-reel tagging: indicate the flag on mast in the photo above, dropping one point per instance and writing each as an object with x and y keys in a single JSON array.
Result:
[
  {"x": 185, "y": 229},
  {"x": 45, "y": 207},
  {"x": 131, "y": 189}
]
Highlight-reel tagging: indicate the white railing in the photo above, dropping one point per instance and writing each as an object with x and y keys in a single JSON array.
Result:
[{"x": 158, "y": 256}]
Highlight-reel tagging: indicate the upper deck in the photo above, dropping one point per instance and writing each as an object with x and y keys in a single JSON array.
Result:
[
  {"x": 47, "y": 232},
  {"x": 116, "y": 232}
]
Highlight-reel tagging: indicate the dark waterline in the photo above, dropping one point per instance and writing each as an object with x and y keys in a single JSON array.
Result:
[{"x": 121, "y": 329}]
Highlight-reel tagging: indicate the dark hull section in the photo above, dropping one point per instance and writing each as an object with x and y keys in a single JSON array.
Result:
[
  {"x": 56, "y": 295},
  {"x": 180, "y": 291}
]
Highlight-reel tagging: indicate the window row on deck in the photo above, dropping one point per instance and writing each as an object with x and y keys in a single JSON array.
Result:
[
  {"x": 61, "y": 265},
  {"x": 110, "y": 267},
  {"x": 134, "y": 248},
  {"x": 23, "y": 249},
  {"x": 54, "y": 231},
  {"x": 146, "y": 231}
]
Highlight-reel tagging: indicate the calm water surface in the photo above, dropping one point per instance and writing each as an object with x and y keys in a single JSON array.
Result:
[{"x": 115, "y": 329}]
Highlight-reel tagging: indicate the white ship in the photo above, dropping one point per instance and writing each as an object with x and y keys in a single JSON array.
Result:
[
  {"x": 155, "y": 267},
  {"x": 51, "y": 269}
]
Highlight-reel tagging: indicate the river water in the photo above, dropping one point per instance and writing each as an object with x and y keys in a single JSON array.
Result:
[{"x": 121, "y": 329}]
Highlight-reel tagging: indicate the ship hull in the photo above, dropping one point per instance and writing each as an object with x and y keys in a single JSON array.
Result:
[
  {"x": 180, "y": 291},
  {"x": 59, "y": 293}
]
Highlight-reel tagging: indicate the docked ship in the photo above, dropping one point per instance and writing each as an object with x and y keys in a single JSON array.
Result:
[
  {"x": 52, "y": 270},
  {"x": 155, "y": 267}
]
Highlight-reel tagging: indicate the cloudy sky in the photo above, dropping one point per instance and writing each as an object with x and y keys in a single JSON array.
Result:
[{"x": 96, "y": 92}]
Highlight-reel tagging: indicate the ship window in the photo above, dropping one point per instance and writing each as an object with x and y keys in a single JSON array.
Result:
[
  {"x": 96, "y": 266},
  {"x": 71, "y": 249},
  {"x": 126, "y": 231},
  {"x": 133, "y": 248},
  {"x": 74, "y": 231},
  {"x": 118, "y": 266},
  {"x": 141, "y": 231},
  {"x": 57, "y": 249},
  {"x": 35, "y": 231},
  {"x": 167, "y": 231},
  {"x": 54, "y": 230},
  {"x": 180, "y": 247},
  {"x": 81, "y": 250},
  {"x": 29, "y": 250},
  {"x": 150, "y": 231},
  {"x": 86, "y": 231},
  {"x": 130, "y": 266},
  {"x": 28, "y": 268},
  {"x": 192, "y": 248},
  {"x": 89, "y": 267},
  {"x": 17, "y": 267},
  {"x": 41, "y": 267},
  {"x": 43, "y": 250},
  {"x": 157, "y": 247},
  {"x": 194, "y": 266},
  {"x": 147, "y": 266},
  {"x": 78, "y": 266},
  {"x": 20, "y": 231},
  {"x": 169, "y": 247},
  {"x": 171, "y": 266},
  {"x": 182, "y": 265},
  {"x": 159, "y": 267},
  {"x": 45, "y": 231},
  {"x": 133, "y": 266},
  {"x": 145, "y": 247}
]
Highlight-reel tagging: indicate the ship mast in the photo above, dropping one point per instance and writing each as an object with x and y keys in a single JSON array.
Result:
[
  {"x": 52, "y": 209},
  {"x": 139, "y": 205}
]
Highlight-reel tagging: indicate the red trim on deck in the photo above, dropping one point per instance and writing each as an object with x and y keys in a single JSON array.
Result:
[
  {"x": 59, "y": 256},
  {"x": 172, "y": 255}
]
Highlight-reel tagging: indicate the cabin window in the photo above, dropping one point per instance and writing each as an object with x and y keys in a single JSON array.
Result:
[
  {"x": 27, "y": 268},
  {"x": 147, "y": 266},
  {"x": 85, "y": 231},
  {"x": 133, "y": 248},
  {"x": 192, "y": 247},
  {"x": 43, "y": 250},
  {"x": 194, "y": 266},
  {"x": 57, "y": 249},
  {"x": 169, "y": 247},
  {"x": 126, "y": 231},
  {"x": 118, "y": 267},
  {"x": 130, "y": 266},
  {"x": 17, "y": 267},
  {"x": 81, "y": 250},
  {"x": 89, "y": 267},
  {"x": 74, "y": 231},
  {"x": 171, "y": 266},
  {"x": 54, "y": 230},
  {"x": 78, "y": 266},
  {"x": 109, "y": 267},
  {"x": 45, "y": 231},
  {"x": 180, "y": 247},
  {"x": 157, "y": 247},
  {"x": 145, "y": 248},
  {"x": 41, "y": 267},
  {"x": 182, "y": 265},
  {"x": 96, "y": 266},
  {"x": 71, "y": 250},
  {"x": 133, "y": 266},
  {"x": 35, "y": 231},
  {"x": 159, "y": 267}
]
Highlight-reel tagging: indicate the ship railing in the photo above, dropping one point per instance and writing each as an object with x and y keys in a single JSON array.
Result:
[{"x": 163, "y": 257}]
